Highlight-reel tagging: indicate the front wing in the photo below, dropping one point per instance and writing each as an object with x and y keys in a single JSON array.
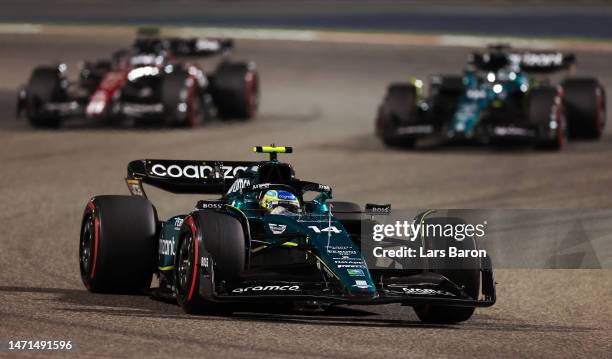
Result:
[{"x": 421, "y": 288}]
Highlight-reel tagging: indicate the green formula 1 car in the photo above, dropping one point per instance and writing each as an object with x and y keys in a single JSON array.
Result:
[
  {"x": 259, "y": 241},
  {"x": 504, "y": 95}
]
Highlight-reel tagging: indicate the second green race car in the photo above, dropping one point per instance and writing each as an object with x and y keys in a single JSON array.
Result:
[{"x": 504, "y": 95}]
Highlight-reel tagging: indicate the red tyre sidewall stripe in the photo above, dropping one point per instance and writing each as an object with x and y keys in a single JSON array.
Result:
[
  {"x": 190, "y": 99},
  {"x": 559, "y": 118},
  {"x": 560, "y": 139},
  {"x": 598, "y": 105},
  {"x": 249, "y": 78},
  {"x": 194, "y": 237},
  {"x": 92, "y": 208}
]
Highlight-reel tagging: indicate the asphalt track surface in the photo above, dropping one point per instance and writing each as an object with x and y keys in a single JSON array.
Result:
[{"x": 320, "y": 98}]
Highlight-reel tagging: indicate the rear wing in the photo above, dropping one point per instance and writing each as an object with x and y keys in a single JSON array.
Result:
[
  {"x": 202, "y": 46},
  {"x": 527, "y": 61},
  {"x": 199, "y": 46},
  {"x": 543, "y": 62},
  {"x": 181, "y": 176}
]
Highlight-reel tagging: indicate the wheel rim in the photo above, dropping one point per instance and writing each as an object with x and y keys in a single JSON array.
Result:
[
  {"x": 86, "y": 247},
  {"x": 184, "y": 270}
]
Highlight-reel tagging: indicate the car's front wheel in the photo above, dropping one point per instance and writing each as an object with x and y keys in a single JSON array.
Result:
[
  {"x": 463, "y": 272},
  {"x": 211, "y": 249}
]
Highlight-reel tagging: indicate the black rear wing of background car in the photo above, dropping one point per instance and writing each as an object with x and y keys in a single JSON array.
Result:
[
  {"x": 528, "y": 61},
  {"x": 193, "y": 46},
  {"x": 543, "y": 62},
  {"x": 184, "y": 176},
  {"x": 203, "y": 46}
]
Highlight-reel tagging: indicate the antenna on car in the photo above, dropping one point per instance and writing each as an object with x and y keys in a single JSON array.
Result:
[{"x": 273, "y": 150}]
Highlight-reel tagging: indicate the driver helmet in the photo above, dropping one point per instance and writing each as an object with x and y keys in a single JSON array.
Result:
[{"x": 279, "y": 202}]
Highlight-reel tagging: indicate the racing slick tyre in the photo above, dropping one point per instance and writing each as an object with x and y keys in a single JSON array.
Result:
[
  {"x": 399, "y": 107},
  {"x": 211, "y": 249},
  {"x": 464, "y": 272},
  {"x": 236, "y": 90},
  {"x": 546, "y": 113},
  {"x": 585, "y": 106},
  {"x": 45, "y": 86},
  {"x": 183, "y": 100},
  {"x": 117, "y": 249}
]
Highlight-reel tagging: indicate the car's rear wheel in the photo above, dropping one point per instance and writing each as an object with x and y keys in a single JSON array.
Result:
[
  {"x": 585, "y": 104},
  {"x": 117, "y": 247},
  {"x": 236, "y": 90},
  {"x": 44, "y": 86},
  {"x": 463, "y": 272},
  {"x": 211, "y": 249}
]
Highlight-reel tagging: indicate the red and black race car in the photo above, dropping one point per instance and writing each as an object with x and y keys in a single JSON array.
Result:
[{"x": 154, "y": 81}]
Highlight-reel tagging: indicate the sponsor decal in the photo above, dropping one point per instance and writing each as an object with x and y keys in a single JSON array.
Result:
[
  {"x": 512, "y": 131},
  {"x": 361, "y": 284},
  {"x": 143, "y": 71},
  {"x": 324, "y": 188},
  {"x": 178, "y": 222},
  {"x": 355, "y": 272},
  {"x": 210, "y": 204},
  {"x": 378, "y": 208},
  {"x": 166, "y": 247},
  {"x": 475, "y": 94},
  {"x": 268, "y": 288},
  {"x": 193, "y": 171},
  {"x": 135, "y": 188},
  {"x": 277, "y": 228},
  {"x": 134, "y": 109},
  {"x": 207, "y": 45},
  {"x": 204, "y": 262},
  {"x": 261, "y": 186},
  {"x": 239, "y": 184},
  {"x": 542, "y": 59},
  {"x": 286, "y": 196},
  {"x": 146, "y": 59},
  {"x": 426, "y": 291}
]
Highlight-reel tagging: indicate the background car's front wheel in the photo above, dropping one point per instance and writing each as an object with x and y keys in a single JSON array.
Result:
[
  {"x": 45, "y": 86},
  {"x": 399, "y": 107}
]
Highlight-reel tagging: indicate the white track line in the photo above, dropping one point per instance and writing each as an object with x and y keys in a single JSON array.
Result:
[
  {"x": 251, "y": 34},
  {"x": 20, "y": 29}
]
